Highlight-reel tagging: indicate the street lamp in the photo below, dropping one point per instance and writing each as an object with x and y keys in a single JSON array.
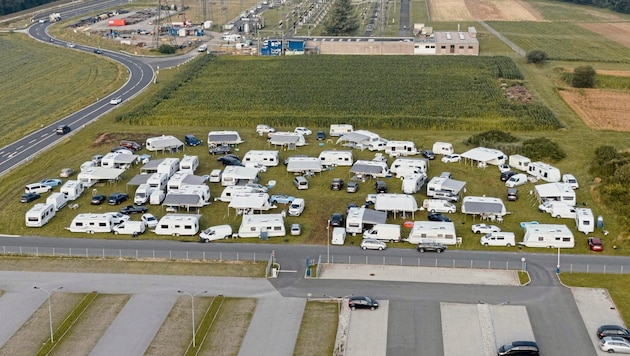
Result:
[
  {"x": 48, "y": 292},
  {"x": 558, "y": 265},
  {"x": 328, "y": 242},
  {"x": 522, "y": 264},
  {"x": 192, "y": 308}
]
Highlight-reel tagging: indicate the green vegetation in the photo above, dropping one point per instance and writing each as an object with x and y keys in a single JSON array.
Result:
[
  {"x": 206, "y": 324},
  {"x": 617, "y": 286},
  {"x": 342, "y": 21},
  {"x": 9, "y": 7},
  {"x": 614, "y": 170},
  {"x": 556, "y": 11},
  {"x": 318, "y": 329},
  {"x": 614, "y": 5},
  {"x": 167, "y": 49},
  {"x": 583, "y": 77},
  {"x": 562, "y": 41},
  {"x": 536, "y": 56}
]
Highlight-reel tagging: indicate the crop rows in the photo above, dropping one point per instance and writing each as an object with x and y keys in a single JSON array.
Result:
[
  {"x": 563, "y": 41},
  {"x": 406, "y": 92}
]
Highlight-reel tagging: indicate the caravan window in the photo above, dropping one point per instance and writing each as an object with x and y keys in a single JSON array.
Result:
[
  {"x": 252, "y": 229},
  {"x": 540, "y": 238},
  {"x": 586, "y": 222},
  {"x": 423, "y": 235},
  {"x": 78, "y": 224},
  {"x": 32, "y": 219},
  {"x": 566, "y": 239},
  {"x": 448, "y": 236},
  {"x": 164, "y": 226},
  {"x": 102, "y": 224},
  {"x": 277, "y": 228},
  {"x": 187, "y": 227}
]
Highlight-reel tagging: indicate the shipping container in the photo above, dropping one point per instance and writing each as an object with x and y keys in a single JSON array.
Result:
[{"x": 116, "y": 22}]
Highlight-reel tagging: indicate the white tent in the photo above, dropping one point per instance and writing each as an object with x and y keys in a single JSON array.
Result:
[
  {"x": 396, "y": 203},
  {"x": 485, "y": 155}
]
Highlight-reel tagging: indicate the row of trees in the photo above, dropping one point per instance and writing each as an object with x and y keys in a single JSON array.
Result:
[
  {"x": 12, "y": 6},
  {"x": 622, "y": 6}
]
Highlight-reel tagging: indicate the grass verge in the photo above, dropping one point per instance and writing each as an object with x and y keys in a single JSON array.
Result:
[
  {"x": 617, "y": 286},
  {"x": 318, "y": 329},
  {"x": 206, "y": 324}
]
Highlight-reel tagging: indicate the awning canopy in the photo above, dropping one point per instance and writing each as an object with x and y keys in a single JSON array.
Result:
[
  {"x": 151, "y": 166},
  {"x": 139, "y": 179}
]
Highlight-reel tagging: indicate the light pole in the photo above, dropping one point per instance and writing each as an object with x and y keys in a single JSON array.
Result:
[
  {"x": 328, "y": 242},
  {"x": 558, "y": 265},
  {"x": 192, "y": 308},
  {"x": 48, "y": 292},
  {"x": 522, "y": 264}
]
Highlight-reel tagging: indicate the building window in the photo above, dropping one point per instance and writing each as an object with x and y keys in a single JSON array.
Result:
[
  {"x": 470, "y": 47},
  {"x": 461, "y": 47},
  {"x": 443, "y": 47}
]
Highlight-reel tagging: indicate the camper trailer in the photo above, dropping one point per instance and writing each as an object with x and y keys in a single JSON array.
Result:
[
  {"x": 236, "y": 175},
  {"x": 432, "y": 231},
  {"x": 400, "y": 148},
  {"x": 336, "y": 158},
  {"x": 92, "y": 223},
  {"x": 72, "y": 189},
  {"x": 177, "y": 180},
  {"x": 445, "y": 188},
  {"x": 163, "y": 143},
  {"x": 412, "y": 183},
  {"x": 370, "y": 168},
  {"x": 58, "y": 200},
  {"x": 220, "y": 138},
  {"x": 245, "y": 203},
  {"x": 230, "y": 191},
  {"x": 143, "y": 193},
  {"x": 202, "y": 191},
  {"x": 558, "y": 192},
  {"x": 483, "y": 206},
  {"x": 268, "y": 158},
  {"x": 584, "y": 221},
  {"x": 262, "y": 226},
  {"x": 548, "y": 235},
  {"x": 158, "y": 181},
  {"x": 519, "y": 162},
  {"x": 379, "y": 145},
  {"x": 168, "y": 166},
  {"x": 443, "y": 148},
  {"x": 544, "y": 171},
  {"x": 403, "y": 166},
  {"x": 287, "y": 138},
  {"x": 178, "y": 225},
  {"x": 189, "y": 164},
  {"x": 340, "y": 129},
  {"x": 39, "y": 214},
  {"x": 338, "y": 236},
  {"x": 384, "y": 232}
]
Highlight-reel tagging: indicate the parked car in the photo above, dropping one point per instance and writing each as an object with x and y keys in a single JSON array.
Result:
[
  {"x": 218, "y": 232},
  {"x": 117, "y": 198},
  {"x": 519, "y": 348},
  {"x": 336, "y": 219},
  {"x": 230, "y": 160},
  {"x": 438, "y": 217},
  {"x": 150, "y": 220},
  {"x": 258, "y": 188},
  {"x": 512, "y": 194},
  {"x": 98, "y": 51},
  {"x": 191, "y": 140},
  {"x": 613, "y": 344},
  {"x": 504, "y": 167},
  {"x": 506, "y": 175},
  {"x": 430, "y": 246},
  {"x": 296, "y": 229},
  {"x": 118, "y": 218},
  {"x": 451, "y": 158},
  {"x": 361, "y": 302},
  {"x": 115, "y": 101},
  {"x": 352, "y": 187},
  {"x": 134, "y": 209},
  {"x": 485, "y": 228},
  {"x": 373, "y": 244},
  {"x": 321, "y": 135},
  {"x": 337, "y": 184},
  {"x": 220, "y": 150},
  {"x": 303, "y": 130},
  {"x": 595, "y": 244},
  {"x": 66, "y": 172},
  {"x": 428, "y": 154},
  {"x": 380, "y": 186},
  {"x": 130, "y": 145},
  {"x": 29, "y": 197},
  {"x": 63, "y": 129},
  {"x": 613, "y": 330},
  {"x": 98, "y": 199},
  {"x": 570, "y": 180},
  {"x": 52, "y": 182},
  {"x": 281, "y": 199}
]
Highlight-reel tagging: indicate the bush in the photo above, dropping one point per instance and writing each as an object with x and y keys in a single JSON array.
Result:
[
  {"x": 490, "y": 138},
  {"x": 167, "y": 49},
  {"x": 583, "y": 77},
  {"x": 540, "y": 149},
  {"x": 536, "y": 56}
]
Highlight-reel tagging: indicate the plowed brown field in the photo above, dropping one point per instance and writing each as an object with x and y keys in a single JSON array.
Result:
[
  {"x": 600, "y": 109},
  {"x": 485, "y": 10}
]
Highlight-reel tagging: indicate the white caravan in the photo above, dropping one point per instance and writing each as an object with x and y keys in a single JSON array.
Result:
[
  {"x": 236, "y": 175},
  {"x": 400, "y": 148},
  {"x": 370, "y": 168},
  {"x": 72, "y": 189},
  {"x": 340, "y": 129},
  {"x": 439, "y": 206},
  {"x": 384, "y": 232},
  {"x": 247, "y": 203},
  {"x": 544, "y": 171},
  {"x": 380, "y": 145},
  {"x": 548, "y": 235},
  {"x": 168, "y": 166},
  {"x": 203, "y": 191},
  {"x": 403, "y": 166},
  {"x": 158, "y": 181},
  {"x": 58, "y": 200},
  {"x": 189, "y": 164},
  {"x": 218, "y": 138},
  {"x": 435, "y": 231},
  {"x": 443, "y": 148},
  {"x": 262, "y": 226},
  {"x": 483, "y": 206},
  {"x": 412, "y": 183},
  {"x": 177, "y": 180},
  {"x": 287, "y": 138},
  {"x": 178, "y": 225},
  {"x": 584, "y": 221},
  {"x": 157, "y": 197},
  {"x": 91, "y": 223},
  {"x": 559, "y": 192},
  {"x": 519, "y": 162},
  {"x": 230, "y": 191},
  {"x": 163, "y": 143},
  {"x": 336, "y": 158},
  {"x": 338, "y": 236},
  {"x": 39, "y": 214},
  {"x": 360, "y": 219},
  {"x": 267, "y": 158},
  {"x": 143, "y": 193}
]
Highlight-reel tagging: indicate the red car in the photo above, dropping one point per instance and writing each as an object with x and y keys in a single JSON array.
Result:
[{"x": 595, "y": 243}]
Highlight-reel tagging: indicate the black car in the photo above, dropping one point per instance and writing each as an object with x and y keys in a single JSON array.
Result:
[
  {"x": 220, "y": 150},
  {"x": 191, "y": 140},
  {"x": 98, "y": 51},
  {"x": 428, "y": 154},
  {"x": 121, "y": 149},
  {"x": 321, "y": 135},
  {"x": 63, "y": 129},
  {"x": 506, "y": 175},
  {"x": 336, "y": 219},
  {"x": 229, "y": 160},
  {"x": 29, "y": 197},
  {"x": 98, "y": 199},
  {"x": 613, "y": 330},
  {"x": 438, "y": 217},
  {"x": 337, "y": 184},
  {"x": 380, "y": 186},
  {"x": 117, "y": 198},
  {"x": 357, "y": 301},
  {"x": 134, "y": 209},
  {"x": 519, "y": 348},
  {"x": 431, "y": 246},
  {"x": 130, "y": 145}
]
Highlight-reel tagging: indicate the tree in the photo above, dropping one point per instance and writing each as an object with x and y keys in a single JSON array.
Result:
[
  {"x": 167, "y": 49},
  {"x": 342, "y": 21},
  {"x": 536, "y": 56},
  {"x": 583, "y": 77}
]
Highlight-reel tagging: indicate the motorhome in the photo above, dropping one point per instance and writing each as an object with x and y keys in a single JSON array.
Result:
[
  {"x": 544, "y": 171},
  {"x": 584, "y": 221},
  {"x": 178, "y": 225},
  {"x": 501, "y": 238},
  {"x": 400, "y": 148},
  {"x": 519, "y": 162},
  {"x": 262, "y": 226},
  {"x": 39, "y": 214},
  {"x": 143, "y": 193},
  {"x": 432, "y": 231},
  {"x": 338, "y": 236},
  {"x": 58, "y": 200},
  {"x": 548, "y": 236},
  {"x": 163, "y": 143},
  {"x": 92, "y": 223},
  {"x": 189, "y": 164},
  {"x": 287, "y": 138},
  {"x": 221, "y": 138},
  {"x": 236, "y": 175},
  {"x": 443, "y": 148},
  {"x": 168, "y": 166},
  {"x": 336, "y": 158},
  {"x": 340, "y": 129},
  {"x": 133, "y": 228},
  {"x": 403, "y": 166},
  {"x": 267, "y": 158},
  {"x": 559, "y": 192},
  {"x": 384, "y": 232},
  {"x": 412, "y": 183},
  {"x": 157, "y": 197},
  {"x": 72, "y": 189},
  {"x": 361, "y": 218},
  {"x": 439, "y": 206},
  {"x": 158, "y": 181}
]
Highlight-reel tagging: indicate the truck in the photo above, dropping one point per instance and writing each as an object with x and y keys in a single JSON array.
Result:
[{"x": 383, "y": 232}]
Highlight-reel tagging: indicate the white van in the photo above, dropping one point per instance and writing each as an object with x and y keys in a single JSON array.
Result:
[
  {"x": 300, "y": 183},
  {"x": 383, "y": 232},
  {"x": 570, "y": 180},
  {"x": 563, "y": 211},
  {"x": 218, "y": 232},
  {"x": 338, "y": 236},
  {"x": 215, "y": 176},
  {"x": 297, "y": 207},
  {"x": 516, "y": 180},
  {"x": 37, "y": 188},
  {"x": 501, "y": 238},
  {"x": 133, "y": 228},
  {"x": 439, "y": 206}
]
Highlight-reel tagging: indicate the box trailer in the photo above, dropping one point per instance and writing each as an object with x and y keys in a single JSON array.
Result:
[
  {"x": 72, "y": 189},
  {"x": 336, "y": 158},
  {"x": 548, "y": 235},
  {"x": 39, "y": 214},
  {"x": 584, "y": 220},
  {"x": 92, "y": 223},
  {"x": 262, "y": 226},
  {"x": 178, "y": 225},
  {"x": 432, "y": 231}
]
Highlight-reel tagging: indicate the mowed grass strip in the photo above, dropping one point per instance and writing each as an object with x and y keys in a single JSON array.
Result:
[
  {"x": 229, "y": 328},
  {"x": 318, "y": 329},
  {"x": 617, "y": 286}
]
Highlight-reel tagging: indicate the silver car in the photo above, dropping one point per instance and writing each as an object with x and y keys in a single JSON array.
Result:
[
  {"x": 615, "y": 344},
  {"x": 372, "y": 244}
]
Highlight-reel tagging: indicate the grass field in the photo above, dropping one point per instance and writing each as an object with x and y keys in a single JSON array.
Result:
[{"x": 617, "y": 286}]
